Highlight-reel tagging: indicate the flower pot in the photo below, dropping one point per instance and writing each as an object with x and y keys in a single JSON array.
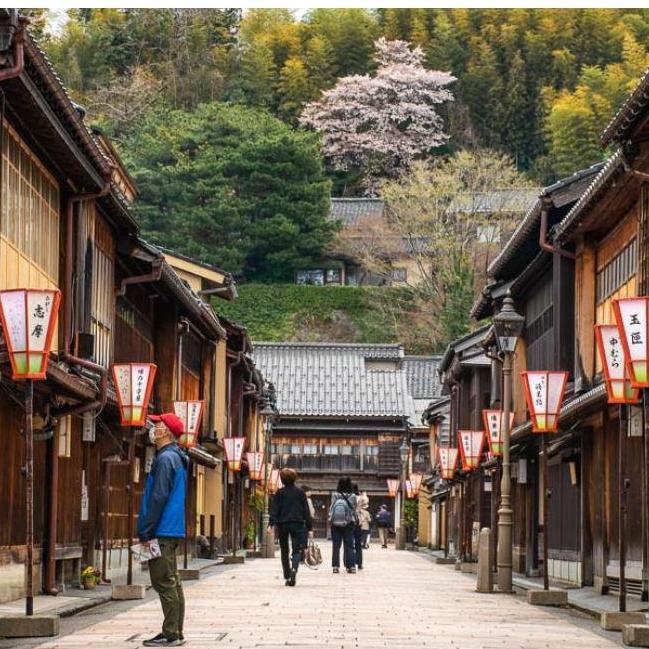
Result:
[{"x": 89, "y": 584}]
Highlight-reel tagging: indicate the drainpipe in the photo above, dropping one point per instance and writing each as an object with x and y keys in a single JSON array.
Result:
[
  {"x": 153, "y": 276},
  {"x": 19, "y": 53},
  {"x": 543, "y": 233}
]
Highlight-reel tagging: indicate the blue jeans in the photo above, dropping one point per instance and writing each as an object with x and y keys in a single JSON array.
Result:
[
  {"x": 296, "y": 533},
  {"x": 343, "y": 536}
]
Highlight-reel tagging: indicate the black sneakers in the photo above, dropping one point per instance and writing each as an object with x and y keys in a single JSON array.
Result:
[
  {"x": 161, "y": 640},
  {"x": 291, "y": 579},
  {"x": 336, "y": 571}
]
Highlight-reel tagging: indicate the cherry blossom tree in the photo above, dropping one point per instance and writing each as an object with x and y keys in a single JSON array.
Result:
[{"x": 380, "y": 124}]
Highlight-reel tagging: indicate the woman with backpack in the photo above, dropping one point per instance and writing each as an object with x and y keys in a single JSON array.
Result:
[{"x": 342, "y": 518}]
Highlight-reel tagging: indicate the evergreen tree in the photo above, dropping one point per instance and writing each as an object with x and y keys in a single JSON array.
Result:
[
  {"x": 319, "y": 61},
  {"x": 293, "y": 89}
]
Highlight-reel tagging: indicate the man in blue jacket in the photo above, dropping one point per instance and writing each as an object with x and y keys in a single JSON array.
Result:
[{"x": 162, "y": 517}]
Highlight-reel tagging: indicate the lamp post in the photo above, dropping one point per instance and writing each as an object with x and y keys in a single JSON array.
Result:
[
  {"x": 401, "y": 535},
  {"x": 508, "y": 326},
  {"x": 268, "y": 546},
  {"x": 28, "y": 318}
]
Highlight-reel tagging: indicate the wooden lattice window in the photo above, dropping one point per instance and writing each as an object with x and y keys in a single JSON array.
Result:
[
  {"x": 30, "y": 215},
  {"x": 618, "y": 271}
]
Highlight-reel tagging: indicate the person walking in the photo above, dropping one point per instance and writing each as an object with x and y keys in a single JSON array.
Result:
[
  {"x": 362, "y": 519},
  {"x": 364, "y": 523},
  {"x": 291, "y": 516},
  {"x": 383, "y": 523},
  {"x": 342, "y": 518},
  {"x": 307, "y": 492},
  {"x": 162, "y": 517}
]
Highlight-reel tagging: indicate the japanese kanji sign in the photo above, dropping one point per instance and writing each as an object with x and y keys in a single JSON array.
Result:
[
  {"x": 448, "y": 461},
  {"x": 234, "y": 451},
  {"x": 616, "y": 371},
  {"x": 471, "y": 447},
  {"x": 133, "y": 385},
  {"x": 28, "y": 318},
  {"x": 493, "y": 422},
  {"x": 632, "y": 321},
  {"x": 393, "y": 487},
  {"x": 544, "y": 394},
  {"x": 191, "y": 414},
  {"x": 255, "y": 465}
]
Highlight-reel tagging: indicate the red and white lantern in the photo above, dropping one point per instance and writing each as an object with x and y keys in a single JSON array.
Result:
[
  {"x": 409, "y": 490},
  {"x": 28, "y": 318},
  {"x": 255, "y": 465},
  {"x": 275, "y": 481},
  {"x": 191, "y": 414},
  {"x": 133, "y": 385},
  {"x": 544, "y": 394},
  {"x": 448, "y": 461},
  {"x": 234, "y": 452},
  {"x": 616, "y": 371},
  {"x": 393, "y": 487},
  {"x": 493, "y": 422},
  {"x": 471, "y": 448},
  {"x": 416, "y": 480},
  {"x": 632, "y": 317}
]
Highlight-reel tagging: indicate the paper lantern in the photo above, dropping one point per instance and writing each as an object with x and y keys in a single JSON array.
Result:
[
  {"x": 616, "y": 371},
  {"x": 448, "y": 461},
  {"x": 28, "y": 318},
  {"x": 409, "y": 490},
  {"x": 269, "y": 472},
  {"x": 234, "y": 451},
  {"x": 190, "y": 413},
  {"x": 632, "y": 321},
  {"x": 255, "y": 465},
  {"x": 393, "y": 487},
  {"x": 416, "y": 480},
  {"x": 133, "y": 385},
  {"x": 493, "y": 420},
  {"x": 544, "y": 394},
  {"x": 274, "y": 482},
  {"x": 471, "y": 447}
]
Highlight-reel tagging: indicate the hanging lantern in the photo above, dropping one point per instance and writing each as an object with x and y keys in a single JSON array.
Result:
[
  {"x": 28, "y": 318},
  {"x": 544, "y": 394},
  {"x": 616, "y": 370},
  {"x": 234, "y": 452},
  {"x": 493, "y": 420},
  {"x": 393, "y": 487},
  {"x": 133, "y": 385},
  {"x": 416, "y": 480},
  {"x": 274, "y": 482},
  {"x": 190, "y": 413},
  {"x": 409, "y": 490},
  {"x": 471, "y": 447},
  {"x": 255, "y": 465},
  {"x": 269, "y": 472},
  {"x": 448, "y": 461},
  {"x": 632, "y": 317}
]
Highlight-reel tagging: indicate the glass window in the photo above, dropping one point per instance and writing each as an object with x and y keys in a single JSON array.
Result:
[
  {"x": 310, "y": 449},
  {"x": 371, "y": 450},
  {"x": 330, "y": 449},
  {"x": 296, "y": 449},
  {"x": 334, "y": 276}
]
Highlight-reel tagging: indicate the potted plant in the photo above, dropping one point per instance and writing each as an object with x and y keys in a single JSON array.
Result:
[
  {"x": 90, "y": 577},
  {"x": 250, "y": 535}
]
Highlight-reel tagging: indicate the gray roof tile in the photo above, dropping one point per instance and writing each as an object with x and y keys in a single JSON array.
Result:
[
  {"x": 422, "y": 376},
  {"x": 356, "y": 211}
]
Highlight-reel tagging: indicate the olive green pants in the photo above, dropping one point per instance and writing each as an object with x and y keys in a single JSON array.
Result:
[{"x": 166, "y": 582}]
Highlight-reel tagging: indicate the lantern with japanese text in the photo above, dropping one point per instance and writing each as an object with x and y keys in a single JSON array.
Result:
[
  {"x": 255, "y": 465},
  {"x": 190, "y": 413},
  {"x": 393, "y": 487},
  {"x": 471, "y": 447},
  {"x": 616, "y": 371},
  {"x": 448, "y": 461},
  {"x": 274, "y": 482},
  {"x": 493, "y": 421},
  {"x": 409, "y": 490},
  {"x": 416, "y": 480},
  {"x": 133, "y": 385},
  {"x": 28, "y": 318},
  {"x": 234, "y": 452},
  {"x": 632, "y": 317},
  {"x": 544, "y": 394}
]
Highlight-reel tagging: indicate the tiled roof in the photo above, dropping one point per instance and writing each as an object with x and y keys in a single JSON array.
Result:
[
  {"x": 332, "y": 379},
  {"x": 495, "y": 202},
  {"x": 422, "y": 376},
  {"x": 356, "y": 211},
  {"x": 629, "y": 113}
]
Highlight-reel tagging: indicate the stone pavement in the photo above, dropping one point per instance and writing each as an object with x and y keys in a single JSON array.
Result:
[{"x": 401, "y": 600}]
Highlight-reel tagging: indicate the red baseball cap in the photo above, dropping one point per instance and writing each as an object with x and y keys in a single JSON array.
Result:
[{"x": 171, "y": 421}]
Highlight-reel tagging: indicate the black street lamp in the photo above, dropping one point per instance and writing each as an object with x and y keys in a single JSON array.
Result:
[
  {"x": 404, "y": 452},
  {"x": 269, "y": 414}
]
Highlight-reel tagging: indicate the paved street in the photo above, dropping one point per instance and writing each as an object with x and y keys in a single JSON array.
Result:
[{"x": 400, "y": 600}]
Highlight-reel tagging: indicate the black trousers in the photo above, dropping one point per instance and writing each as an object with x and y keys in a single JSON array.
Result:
[
  {"x": 343, "y": 536},
  {"x": 296, "y": 533},
  {"x": 358, "y": 545}
]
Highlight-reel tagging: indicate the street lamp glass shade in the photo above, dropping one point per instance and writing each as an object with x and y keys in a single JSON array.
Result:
[
  {"x": 544, "y": 394},
  {"x": 234, "y": 452},
  {"x": 616, "y": 370},
  {"x": 448, "y": 461},
  {"x": 493, "y": 425},
  {"x": 28, "y": 319},
  {"x": 471, "y": 448},
  {"x": 508, "y": 326},
  {"x": 255, "y": 465},
  {"x": 133, "y": 385},
  {"x": 191, "y": 414},
  {"x": 403, "y": 451},
  {"x": 632, "y": 317},
  {"x": 393, "y": 487}
]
